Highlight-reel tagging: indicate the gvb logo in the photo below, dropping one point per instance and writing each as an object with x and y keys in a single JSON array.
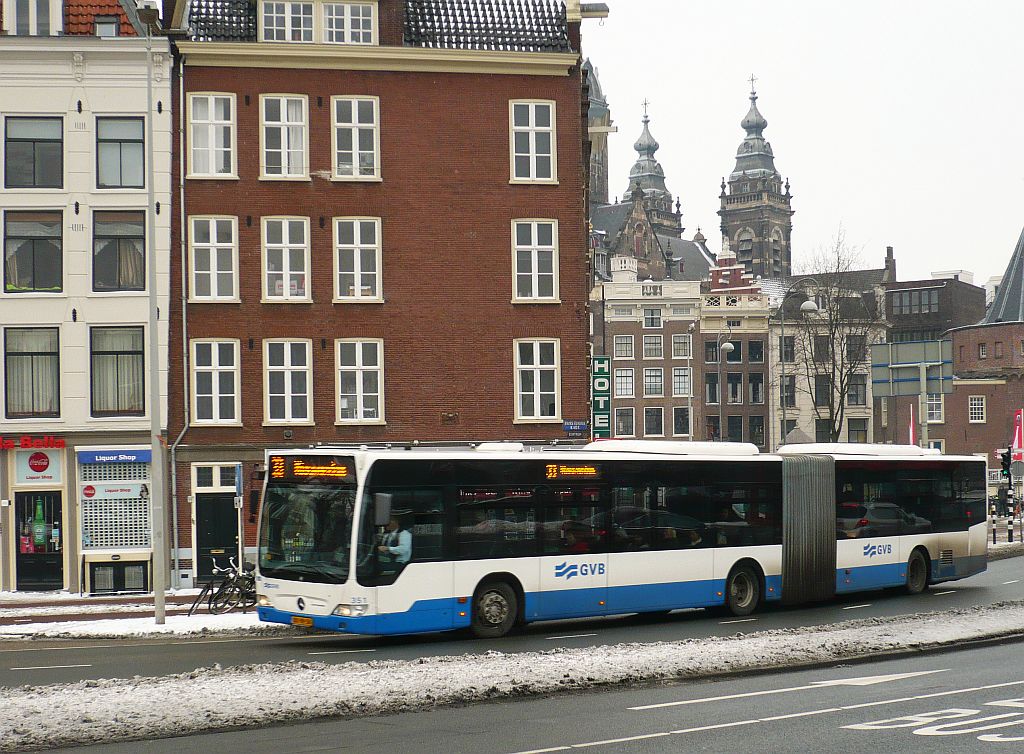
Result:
[
  {"x": 871, "y": 551},
  {"x": 567, "y": 571}
]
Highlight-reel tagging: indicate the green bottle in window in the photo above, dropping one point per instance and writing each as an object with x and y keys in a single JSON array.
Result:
[{"x": 39, "y": 527}]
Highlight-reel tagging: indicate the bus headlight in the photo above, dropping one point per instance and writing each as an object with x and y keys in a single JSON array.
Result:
[
  {"x": 264, "y": 601},
  {"x": 350, "y": 611}
]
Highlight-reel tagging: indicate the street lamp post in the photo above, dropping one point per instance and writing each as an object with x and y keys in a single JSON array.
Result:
[
  {"x": 689, "y": 393},
  {"x": 724, "y": 349},
  {"x": 806, "y": 307}
]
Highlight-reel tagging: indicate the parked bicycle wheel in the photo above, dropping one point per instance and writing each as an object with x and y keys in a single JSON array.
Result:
[{"x": 225, "y": 598}]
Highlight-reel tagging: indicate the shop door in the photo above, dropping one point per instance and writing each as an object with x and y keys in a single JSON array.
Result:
[
  {"x": 216, "y": 531},
  {"x": 40, "y": 541}
]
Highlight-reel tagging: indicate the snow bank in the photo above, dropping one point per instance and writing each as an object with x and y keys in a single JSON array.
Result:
[
  {"x": 215, "y": 698},
  {"x": 113, "y": 628}
]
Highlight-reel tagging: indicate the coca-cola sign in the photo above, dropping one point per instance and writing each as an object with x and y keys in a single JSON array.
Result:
[
  {"x": 38, "y": 467},
  {"x": 38, "y": 462}
]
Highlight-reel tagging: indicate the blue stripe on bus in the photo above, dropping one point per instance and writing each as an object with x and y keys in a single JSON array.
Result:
[{"x": 443, "y": 614}]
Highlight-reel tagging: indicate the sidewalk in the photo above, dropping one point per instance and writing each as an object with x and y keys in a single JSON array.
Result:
[{"x": 18, "y": 608}]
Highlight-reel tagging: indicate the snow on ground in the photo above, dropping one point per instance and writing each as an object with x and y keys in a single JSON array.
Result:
[
  {"x": 200, "y": 623},
  {"x": 214, "y": 698},
  {"x": 7, "y": 598}
]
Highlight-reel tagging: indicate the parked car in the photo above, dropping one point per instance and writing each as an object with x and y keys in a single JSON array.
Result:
[{"x": 878, "y": 520}]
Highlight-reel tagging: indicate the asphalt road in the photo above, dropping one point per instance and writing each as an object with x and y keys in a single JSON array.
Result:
[
  {"x": 963, "y": 700},
  {"x": 46, "y": 662}
]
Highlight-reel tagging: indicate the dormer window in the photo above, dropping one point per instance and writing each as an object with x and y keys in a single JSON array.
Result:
[
  {"x": 107, "y": 27},
  {"x": 322, "y": 22}
]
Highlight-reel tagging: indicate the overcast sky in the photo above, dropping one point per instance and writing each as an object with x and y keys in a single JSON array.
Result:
[{"x": 900, "y": 122}]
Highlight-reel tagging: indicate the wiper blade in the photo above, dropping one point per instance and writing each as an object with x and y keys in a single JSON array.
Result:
[{"x": 330, "y": 571}]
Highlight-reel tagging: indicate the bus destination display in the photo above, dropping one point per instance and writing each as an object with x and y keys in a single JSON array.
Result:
[
  {"x": 309, "y": 468},
  {"x": 571, "y": 471}
]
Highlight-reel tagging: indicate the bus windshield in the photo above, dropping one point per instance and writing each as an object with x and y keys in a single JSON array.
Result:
[{"x": 306, "y": 531}]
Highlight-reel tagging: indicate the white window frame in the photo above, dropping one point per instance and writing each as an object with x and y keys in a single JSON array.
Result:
[
  {"x": 520, "y": 418},
  {"x": 632, "y": 421},
  {"x": 303, "y": 174},
  {"x": 359, "y": 369},
  {"x": 624, "y": 374},
  {"x": 285, "y": 297},
  {"x": 212, "y": 246},
  {"x": 983, "y": 350},
  {"x": 322, "y": 17},
  {"x": 660, "y": 348},
  {"x": 358, "y": 297},
  {"x": 534, "y": 248},
  {"x": 930, "y": 405},
  {"x": 661, "y": 411},
  {"x": 216, "y": 369},
  {"x": 532, "y": 130},
  {"x": 355, "y": 127},
  {"x": 288, "y": 16},
  {"x": 661, "y": 318},
  {"x": 211, "y": 125},
  {"x": 939, "y": 445},
  {"x": 10, "y": 12},
  {"x": 682, "y": 375},
  {"x": 661, "y": 381},
  {"x": 615, "y": 341},
  {"x": 689, "y": 427},
  {"x": 289, "y": 369},
  {"x": 976, "y": 404},
  {"x": 682, "y": 346}
]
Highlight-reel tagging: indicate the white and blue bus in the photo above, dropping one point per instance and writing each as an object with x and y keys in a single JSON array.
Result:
[{"x": 367, "y": 540}]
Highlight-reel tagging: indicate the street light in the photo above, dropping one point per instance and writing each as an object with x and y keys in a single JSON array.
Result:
[
  {"x": 149, "y": 16},
  {"x": 806, "y": 307},
  {"x": 724, "y": 349},
  {"x": 689, "y": 393}
]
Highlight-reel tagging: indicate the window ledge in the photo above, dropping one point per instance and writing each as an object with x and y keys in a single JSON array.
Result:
[
  {"x": 286, "y": 301},
  {"x": 214, "y": 300},
  {"x": 356, "y": 179},
  {"x": 533, "y": 182},
  {"x": 122, "y": 189},
  {"x": 360, "y": 423},
  {"x": 217, "y": 423},
  {"x": 546, "y": 420},
  {"x": 287, "y": 178},
  {"x": 285, "y": 424},
  {"x": 536, "y": 301},
  {"x": 205, "y": 177},
  {"x": 358, "y": 300},
  {"x": 117, "y": 294}
]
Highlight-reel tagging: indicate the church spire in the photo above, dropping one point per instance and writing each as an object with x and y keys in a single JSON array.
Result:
[
  {"x": 754, "y": 158},
  {"x": 647, "y": 171}
]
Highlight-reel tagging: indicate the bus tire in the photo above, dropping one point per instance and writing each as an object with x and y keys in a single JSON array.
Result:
[
  {"x": 742, "y": 590},
  {"x": 495, "y": 610},
  {"x": 917, "y": 573}
]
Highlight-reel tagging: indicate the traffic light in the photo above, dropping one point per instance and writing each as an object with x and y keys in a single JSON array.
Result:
[{"x": 1005, "y": 460}]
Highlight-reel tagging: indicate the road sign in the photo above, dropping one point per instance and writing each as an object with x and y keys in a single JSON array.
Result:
[
  {"x": 1017, "y": 469},
  {"x": 896, "y": 368}
]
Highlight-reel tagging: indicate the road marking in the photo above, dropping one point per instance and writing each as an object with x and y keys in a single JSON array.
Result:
[
  {"x": 856, "y": 607},
  {"x": 864, "y": 681},
  {"x": 950, "y": 591},
  {"x": 1010, "y": 582},
  {"x": 341, "y": 652},
  {"x": 808, "y": 713},
  {"x": 23, "y": 620},
  {"x": 51, "y": 667},
  {"x": 737, "y": 620},
  {"x": 568, "y": 636}
]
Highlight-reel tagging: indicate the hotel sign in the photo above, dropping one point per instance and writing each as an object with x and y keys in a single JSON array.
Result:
[{"x": 601, "y": 396}]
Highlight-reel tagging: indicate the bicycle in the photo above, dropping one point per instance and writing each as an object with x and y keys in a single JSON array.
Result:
[
  {"x": 238, "y": 589},
  {"x": 227, "y": 588}
]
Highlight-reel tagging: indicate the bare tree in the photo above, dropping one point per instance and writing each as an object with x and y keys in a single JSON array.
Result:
[{"x": 831, "y": 344}]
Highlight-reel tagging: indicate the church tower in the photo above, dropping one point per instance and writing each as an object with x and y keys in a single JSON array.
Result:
[
  {"x": 756, "y": 206},
  {"x": 648, "y": 176}
]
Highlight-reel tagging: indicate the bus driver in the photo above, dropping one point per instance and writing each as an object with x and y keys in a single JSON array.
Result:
[{"x": 397, "y": 542}]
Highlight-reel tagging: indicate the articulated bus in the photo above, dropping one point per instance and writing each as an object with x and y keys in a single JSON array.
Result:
[{"x": 367, "y": 540}]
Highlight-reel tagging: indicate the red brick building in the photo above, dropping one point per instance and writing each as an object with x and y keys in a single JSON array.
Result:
[{"x": 384, "y": 238}]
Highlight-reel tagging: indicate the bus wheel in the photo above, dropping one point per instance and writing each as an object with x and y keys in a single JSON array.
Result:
[
  {"x": 495, "y": 610},
  {"x": 917, "y": 573},
  {"x": 742, "y": 591}
]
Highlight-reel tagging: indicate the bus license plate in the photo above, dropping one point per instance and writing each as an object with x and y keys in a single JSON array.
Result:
[{"x": 298, "y": 620}]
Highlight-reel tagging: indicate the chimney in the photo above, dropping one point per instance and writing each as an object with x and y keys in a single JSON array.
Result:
[{"x": 890, "y": 266}]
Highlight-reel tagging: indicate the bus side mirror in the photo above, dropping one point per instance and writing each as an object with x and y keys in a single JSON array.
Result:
[{"x": 381, "y": 508}]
